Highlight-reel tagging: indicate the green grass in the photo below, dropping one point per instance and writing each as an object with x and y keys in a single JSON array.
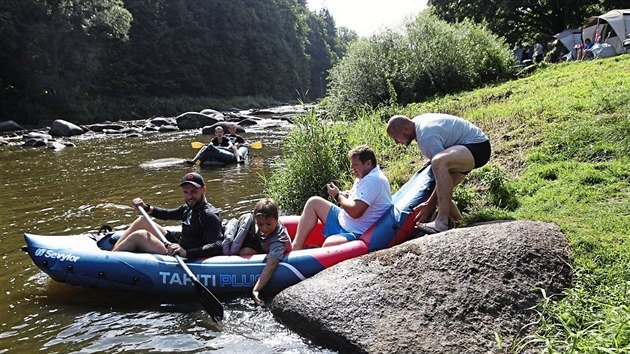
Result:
[
  {"x": 561, "y": 154},
  {"x": 561, "y": 142}
]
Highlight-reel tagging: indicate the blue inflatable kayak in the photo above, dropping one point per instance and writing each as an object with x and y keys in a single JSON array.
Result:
[{"x": 80, "y": 260}]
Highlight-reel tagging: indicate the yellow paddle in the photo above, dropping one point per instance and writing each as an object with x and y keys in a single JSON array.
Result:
[{"x": 255, "y": 145}]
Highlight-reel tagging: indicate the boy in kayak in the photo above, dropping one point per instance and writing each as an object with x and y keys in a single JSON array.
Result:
[
  {"x": 201, "y": 234},
  {"x": 271, "y": 238}
]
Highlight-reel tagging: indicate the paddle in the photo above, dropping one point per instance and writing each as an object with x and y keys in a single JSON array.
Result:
[
  {"x": 255, "y": 145},
  {"x": 210, "y": 303}
]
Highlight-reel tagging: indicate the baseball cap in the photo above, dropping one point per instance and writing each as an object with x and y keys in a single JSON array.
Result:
[{"x": 193, "y": 178}]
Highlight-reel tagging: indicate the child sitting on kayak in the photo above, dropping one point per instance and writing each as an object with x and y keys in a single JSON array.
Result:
[{"x": 271, "y": 237}]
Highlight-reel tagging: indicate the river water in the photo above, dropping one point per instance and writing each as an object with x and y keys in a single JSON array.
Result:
[{"x": 78, "y": 189}]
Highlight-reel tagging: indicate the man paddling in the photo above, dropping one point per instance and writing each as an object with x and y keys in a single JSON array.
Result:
[{"x": 201, "y": 234}]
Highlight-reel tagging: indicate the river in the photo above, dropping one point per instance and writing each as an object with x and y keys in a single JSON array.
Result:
[{"x": 78, "y": 189}]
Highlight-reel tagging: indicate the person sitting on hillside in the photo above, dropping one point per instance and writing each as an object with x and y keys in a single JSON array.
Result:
[
  {"x": 358, "y": 209},
  {"x": 586, "y": 50},
  {"x": 538, "y": 53}
]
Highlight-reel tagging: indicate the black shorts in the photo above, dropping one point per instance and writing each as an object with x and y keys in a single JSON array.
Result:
[{"x": 480, "y": 152}]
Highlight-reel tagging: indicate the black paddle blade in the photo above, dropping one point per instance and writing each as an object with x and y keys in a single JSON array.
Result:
[{"x": 209, "y": 302}]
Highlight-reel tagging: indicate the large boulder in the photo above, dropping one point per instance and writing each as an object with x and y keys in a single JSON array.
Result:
[
  {"x": 453, "y": 292},
  {"x": 10, "y": 126},
  {"x": 61, "y": 127},
  {"x": 194, "y": 120}
]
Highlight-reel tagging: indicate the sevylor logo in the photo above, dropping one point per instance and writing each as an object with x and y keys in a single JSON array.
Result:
[{"x": 42, "y": 252}]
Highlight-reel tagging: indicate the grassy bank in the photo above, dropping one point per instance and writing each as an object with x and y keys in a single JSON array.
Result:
[
  {"x": 561, "y": 154},
  {"x": 561, "y": 141}
]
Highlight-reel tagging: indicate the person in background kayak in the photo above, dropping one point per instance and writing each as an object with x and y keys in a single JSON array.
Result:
[
  {"x": 222, "y": 140},
  {"x": 212, "y": 150},
  {"x": 201, "y": 234},
  {"x": 237, "y": 140}
]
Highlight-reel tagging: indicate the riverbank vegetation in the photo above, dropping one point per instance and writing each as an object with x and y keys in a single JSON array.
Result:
[
  {"x": 430, "y": 57},
  {"x": 117, "y": 60},
  {"x": 561, "y": 154}
]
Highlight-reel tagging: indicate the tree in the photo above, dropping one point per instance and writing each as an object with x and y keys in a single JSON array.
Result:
[
  {"x": 524, "y": 20},
  {"x": 52, "y": 49},
  {"x": 83, "y": 58},
  {"x": 432, "y": 57}
]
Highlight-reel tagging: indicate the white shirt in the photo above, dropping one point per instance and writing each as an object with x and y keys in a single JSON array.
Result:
[{"x": 372, "y": 189}]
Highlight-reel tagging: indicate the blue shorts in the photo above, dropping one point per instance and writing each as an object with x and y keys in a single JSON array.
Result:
[{"x": 332, "y": 227}]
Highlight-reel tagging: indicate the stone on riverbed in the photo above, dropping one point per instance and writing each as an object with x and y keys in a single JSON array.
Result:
[
  {"x": 454, "y": 292},
  {"x": 194, "y": 120},
  {"x": 247, "y": 122},
  {"x": 168, "y": 128},
  {"x": 35, "y": 142},
  {"x": 100, "y": 127},
  {"x": 160, "y": 121},
  {"x": 10, "y": 126},
  {"x": 55, "y": 145},
  {"x": 61, "y": 127},
  {"x": 37, "y": 135},
  {"x": 209, "y": 130}
]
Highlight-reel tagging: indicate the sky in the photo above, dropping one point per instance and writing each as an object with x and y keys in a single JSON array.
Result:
[{"x": 367, "y": 17}]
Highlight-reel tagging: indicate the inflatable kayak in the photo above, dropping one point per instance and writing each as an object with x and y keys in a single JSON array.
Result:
[
  {"x": 220, "y": 156},
  {"x": 81, "y": 260}
]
